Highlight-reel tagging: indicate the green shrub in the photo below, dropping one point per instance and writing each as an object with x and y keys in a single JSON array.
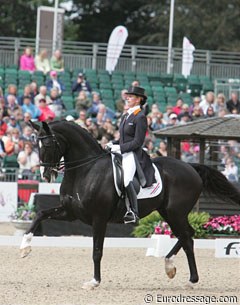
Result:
[{"x": 146, "y": 226}]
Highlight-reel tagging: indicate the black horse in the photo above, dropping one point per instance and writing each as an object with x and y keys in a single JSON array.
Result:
[{"x": 88, "y": 193}]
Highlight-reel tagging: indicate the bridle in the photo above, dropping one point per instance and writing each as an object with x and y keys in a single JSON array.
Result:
[{"x": 59, "y": 165}]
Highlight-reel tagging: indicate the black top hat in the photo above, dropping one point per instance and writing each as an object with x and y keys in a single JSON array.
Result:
[{"x": 138, "y": 91}]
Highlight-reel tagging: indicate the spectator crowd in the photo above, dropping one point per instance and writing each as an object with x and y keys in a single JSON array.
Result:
[{"x": 45, "y": 102}]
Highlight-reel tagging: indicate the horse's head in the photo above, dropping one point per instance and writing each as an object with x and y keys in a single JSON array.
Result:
[{"x": 49, "y": 151}]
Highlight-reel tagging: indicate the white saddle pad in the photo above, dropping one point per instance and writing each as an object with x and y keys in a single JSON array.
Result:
[{"x": 147, "y": 192}]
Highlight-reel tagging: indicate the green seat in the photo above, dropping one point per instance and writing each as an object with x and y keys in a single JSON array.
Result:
[
  {"x": 105, "y": 85},
  {"x": 10, "y": 162},
  {"x": 166, "y": 79},
  {"x": 207, "y": 86},
  {"x": 68, "y": 102},
  {"x": 106, "y": 93},
  {"x": 108, "y": 102},
  {"x": 186, "y": 97},
  {"x": 170, "y": 91}
]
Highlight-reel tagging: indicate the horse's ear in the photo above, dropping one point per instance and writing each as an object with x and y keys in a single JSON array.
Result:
[
  {"x": 33, "y": 125},
  {"x": 46, "y": 128}
]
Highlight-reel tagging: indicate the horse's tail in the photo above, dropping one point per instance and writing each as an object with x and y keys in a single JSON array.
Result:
[{"x": 215, "y": 183}]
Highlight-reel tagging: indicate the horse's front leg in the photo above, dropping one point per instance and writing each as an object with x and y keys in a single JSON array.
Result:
[
  {"x": 57, "y": 213},
  {"x": 99, "y": 230}
]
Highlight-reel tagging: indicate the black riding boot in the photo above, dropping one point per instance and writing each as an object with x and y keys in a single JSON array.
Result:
[{"x": 132, "y": 215}]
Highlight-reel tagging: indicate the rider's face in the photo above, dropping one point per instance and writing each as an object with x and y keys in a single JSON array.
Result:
[{"x": 133, "y": 100}]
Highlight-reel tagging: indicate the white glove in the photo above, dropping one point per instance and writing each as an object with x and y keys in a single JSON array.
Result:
[
  {"x": 116, "y": 148},
  {"x": 109, "y": 145}
]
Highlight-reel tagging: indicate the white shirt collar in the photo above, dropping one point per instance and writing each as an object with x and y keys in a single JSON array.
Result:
[{"x": 131, "y": 110}]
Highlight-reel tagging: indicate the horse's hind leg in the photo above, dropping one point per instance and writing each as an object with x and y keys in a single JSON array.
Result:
[
  {"x": 57, "y": 213},
  {"x": 184, "y": 233},
  {"x": 170, "y": 268}
]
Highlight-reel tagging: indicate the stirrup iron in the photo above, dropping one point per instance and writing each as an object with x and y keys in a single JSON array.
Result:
[{"x": 130, "y": 217}]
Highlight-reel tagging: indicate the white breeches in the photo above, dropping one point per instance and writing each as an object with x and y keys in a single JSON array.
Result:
[
  {"x": 129, "y": 167},
  {"x": 128, "y": 164}
]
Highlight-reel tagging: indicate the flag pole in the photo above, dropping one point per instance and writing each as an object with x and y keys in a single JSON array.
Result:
[
  {"x": 55, "y": 19},
  {"x": 170, "y": 36}
]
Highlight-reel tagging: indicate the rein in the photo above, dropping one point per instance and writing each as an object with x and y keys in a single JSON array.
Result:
[{"x": 62, "y": 164}]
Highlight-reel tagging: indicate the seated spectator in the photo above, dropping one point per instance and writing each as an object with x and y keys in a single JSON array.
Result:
[
  {"x": 108, "y": 129},
  {"x": 81, "y": 84},
  {"x": 11, "y": 90},
  {"x": 231, "y": 170},
  {"x": 197, "y": 113},
  {"x": 154, "y": 112},
  {"x": 26, "y": 118},
  {"x": 162, "y": 150},
  {"x": 81, "y": 120},
  {"x": 96, "y": 101},
  {"x": 178, "y": 108},
  {"x": 34, "y": 89},
  {"x": 28, "y": 162},
  {"x": 207, "y": 102},
  {"x": 173, "y": 119},
  {"x": 119, "y": 104},
  {"x": 210, "y": 112},
  {"x": 157, "y": 122},
  {"x": 46, "y": 113},
  {"x": 167, "y": 113},
  {"x": 94, "y": 130},
  {"x": 26, "y": 92},
  {"x": 54, "y": 82},
  {"x": 30, "y": 108},
  {"x": 3, "y": 125},
  {"x": 149, "y": 147},
  {"x": 12, "y": 105},
  {"x": 13, "y": 123},
  {"x": 233, "y": 105},
  {"x": 57, "y": 105},
  {"x": 27, "y": 60},
  {"x": 196, "y": 102},
  {"x": 57, "y": 62},
  {"x": 220, "y": 102},
  {"x": 222, "y": 113},
  {"x": 82, "y": 101},
  {"x": 103, "y": 114},
  {"x": 26, "y": 134},
  {"x": 184, "y": 118},
  {"x": 42, "y": 95},
  {"x": 3, "y": 107},
  {"x": 42, "y": 62},
  {"x": 135, "y": 83},
  {"x": 13, "y": 144}
]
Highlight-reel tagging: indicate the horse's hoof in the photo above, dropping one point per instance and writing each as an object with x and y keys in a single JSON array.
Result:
[
  {"x": 190, "y": 285},
  {"x": 25, "y": 251},
  {"x": 170, "y": 269},
  {"x": 90, "y": 285},
  {"x": 171, "y": 272}
]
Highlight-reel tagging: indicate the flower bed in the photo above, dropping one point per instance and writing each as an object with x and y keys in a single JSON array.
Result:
[{"x": 204, "y": 226}]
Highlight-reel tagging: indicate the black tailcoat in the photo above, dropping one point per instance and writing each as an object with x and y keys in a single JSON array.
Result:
[{"x": 132, "y": 134}]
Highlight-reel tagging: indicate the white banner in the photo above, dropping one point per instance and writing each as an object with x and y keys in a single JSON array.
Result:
[
  {"x": 8, "y": 199},
  {"x": 115, "y": 45},
  {"x": 49, "y": 188},
  {"x": 187, "y": 57},
  {"x": 227, "y": 248}
]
